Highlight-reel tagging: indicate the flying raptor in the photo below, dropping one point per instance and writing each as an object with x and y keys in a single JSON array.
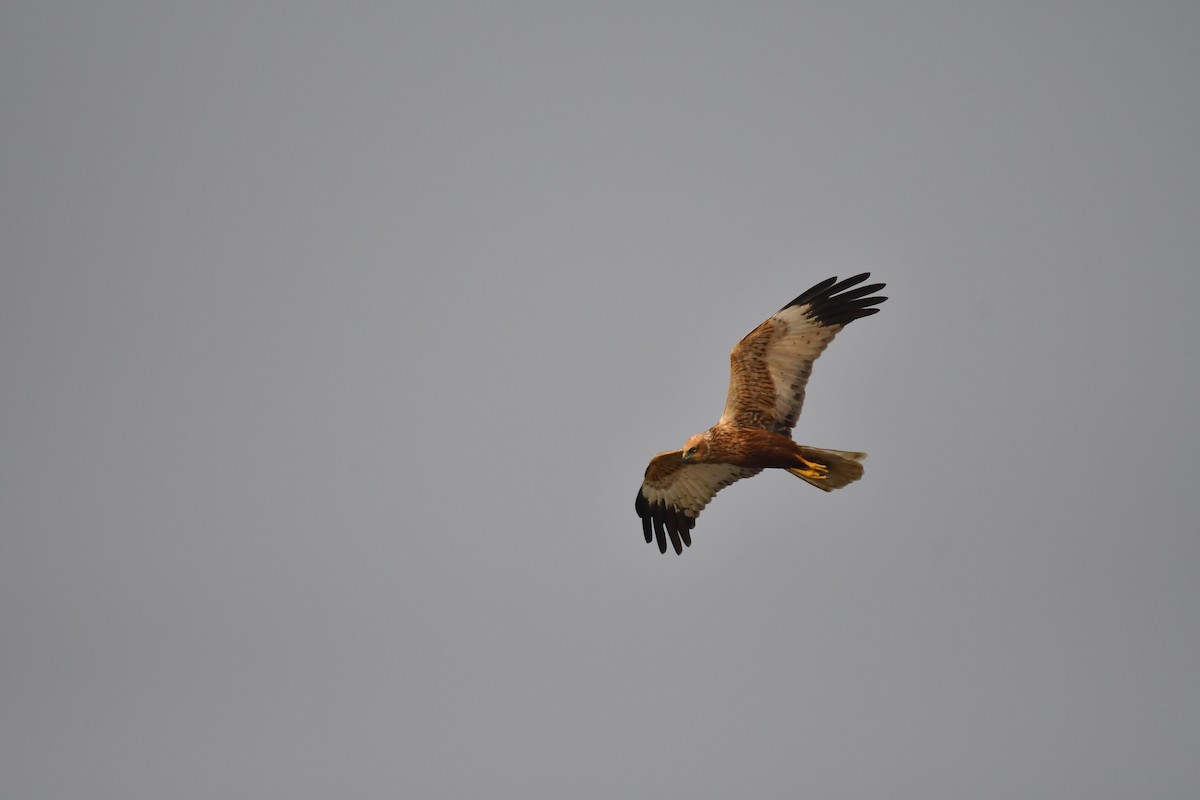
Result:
[{"x": 768, "y": 371}]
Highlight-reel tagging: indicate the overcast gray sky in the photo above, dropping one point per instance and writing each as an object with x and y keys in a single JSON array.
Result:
[{"x": 334, "y": 343}]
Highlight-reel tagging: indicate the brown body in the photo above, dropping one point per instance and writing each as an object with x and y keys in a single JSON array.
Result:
[{"x": 748, "y": 447}]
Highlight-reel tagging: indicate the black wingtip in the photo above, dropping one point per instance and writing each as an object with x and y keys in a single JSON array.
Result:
[
  {"x": 661, "y": 522},
  {"x": 833, "y": 302}
]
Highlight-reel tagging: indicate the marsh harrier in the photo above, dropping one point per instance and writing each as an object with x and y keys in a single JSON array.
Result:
[{"x": 767, "y": 373}]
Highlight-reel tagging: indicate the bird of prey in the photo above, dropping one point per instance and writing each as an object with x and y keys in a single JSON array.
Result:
[{"x": 768, "y": 371}]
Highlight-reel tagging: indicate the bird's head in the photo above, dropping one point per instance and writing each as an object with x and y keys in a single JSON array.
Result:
[{"x": 695, "y": 448}]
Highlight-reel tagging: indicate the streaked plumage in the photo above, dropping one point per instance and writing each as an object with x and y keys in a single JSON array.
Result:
[{"x": 768, "y": 372}]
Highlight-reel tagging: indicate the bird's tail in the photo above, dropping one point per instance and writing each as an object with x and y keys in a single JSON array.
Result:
[{"x": 828, "y": 469}]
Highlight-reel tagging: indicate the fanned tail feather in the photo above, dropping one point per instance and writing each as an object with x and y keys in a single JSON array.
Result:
[{"x": 829, "y": 469}]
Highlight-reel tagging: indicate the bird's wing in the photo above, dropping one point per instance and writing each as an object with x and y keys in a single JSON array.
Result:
[
  {"x": 769, "y": 369},
  {"x": 674, "y": 492}
]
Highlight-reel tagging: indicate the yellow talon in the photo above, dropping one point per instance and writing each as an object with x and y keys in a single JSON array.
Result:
[{"x": 814, "y": 470}]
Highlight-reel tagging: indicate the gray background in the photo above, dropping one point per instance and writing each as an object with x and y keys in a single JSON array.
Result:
[{"x": 333, "y": 345}]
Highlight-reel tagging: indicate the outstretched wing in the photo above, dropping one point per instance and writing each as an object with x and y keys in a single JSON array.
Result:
[
  {"x": 674, "y": 493},
  {"x": 769, "y": 369}
]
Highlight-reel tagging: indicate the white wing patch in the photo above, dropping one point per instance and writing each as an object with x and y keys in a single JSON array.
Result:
[
  {"x": 789, "y": 358},
  {"x": 693, "y": 486}
]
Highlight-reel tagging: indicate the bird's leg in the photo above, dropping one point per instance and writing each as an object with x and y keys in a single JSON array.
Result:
[{"x": 812, "y": 469}]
